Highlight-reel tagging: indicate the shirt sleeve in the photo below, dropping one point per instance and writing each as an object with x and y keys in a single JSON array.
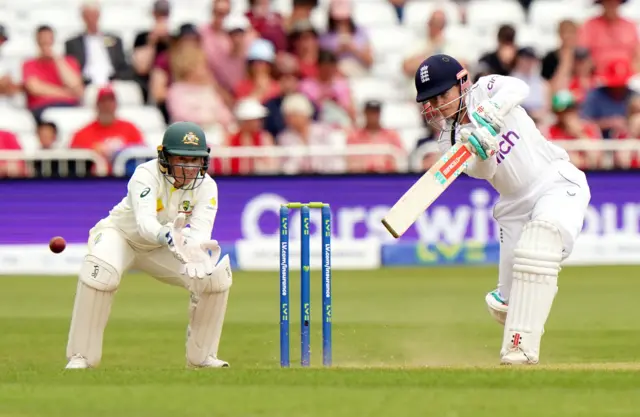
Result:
[
  {"x": 204, "y": 212},
  {"x": 143, "y": 193},
  {"x": 507, "y": 92}
]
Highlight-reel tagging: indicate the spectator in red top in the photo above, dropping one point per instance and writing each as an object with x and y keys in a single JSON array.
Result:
[
  {"x": 630, "y": 158},
  {"x": 372, "y": 133},
  {"x": 303, "y": 43},
  {"x": 611, "y": 37},
  {"x": 16, "y": 168},
  {"x": 51, "y": 80},
  {"x": 250, "y": 115},
  {"x": 260, "y": 82},
  {"x": 584, "y": 77},
  {"x": 108, "y": 134},
  {"x": 269, "y": 24},
  {"x": 569, "y": 126}
]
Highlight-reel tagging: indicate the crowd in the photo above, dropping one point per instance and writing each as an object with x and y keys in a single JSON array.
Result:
[{"x": 263, "y": 79}]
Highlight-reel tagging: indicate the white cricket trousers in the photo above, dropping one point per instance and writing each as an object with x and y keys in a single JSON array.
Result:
[
  {"x": 561, "y": 196},
  {"x": 110, "y": 245}
]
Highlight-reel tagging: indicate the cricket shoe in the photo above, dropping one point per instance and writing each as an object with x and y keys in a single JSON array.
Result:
[
  {"x": 498, "y": 307},
  {"x": 212, "y": 362},
  {"x": 517, "y": 356},
  {"x": 78, "y": 362}
]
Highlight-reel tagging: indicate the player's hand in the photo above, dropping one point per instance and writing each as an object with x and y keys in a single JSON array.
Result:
[
  {"x": 202, "y": 258},
  {"x": 488, "y": 113},
  {"x": 172, "y": 236},
  {"x": 484, "y": 144}
]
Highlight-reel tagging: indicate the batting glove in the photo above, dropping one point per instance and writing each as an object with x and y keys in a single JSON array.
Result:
[
  {"x": 488, "y": 114},
  {"x": 484, "y": 144}
]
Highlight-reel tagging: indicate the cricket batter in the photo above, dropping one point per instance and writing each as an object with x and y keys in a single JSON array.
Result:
[
  {"x": 543, "y": 197},
  {"x": 146, "y": 231}
]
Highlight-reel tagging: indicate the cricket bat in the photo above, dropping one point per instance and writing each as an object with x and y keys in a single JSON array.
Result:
[{"x": 428, "y": 187}]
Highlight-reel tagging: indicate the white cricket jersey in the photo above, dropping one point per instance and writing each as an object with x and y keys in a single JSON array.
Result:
[
  {"x": 523, "y": 152},
  {"x": 152, "y": 202}
]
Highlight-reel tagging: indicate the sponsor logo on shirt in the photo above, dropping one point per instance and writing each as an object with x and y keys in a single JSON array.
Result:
[{"x": 508, "y": 142}]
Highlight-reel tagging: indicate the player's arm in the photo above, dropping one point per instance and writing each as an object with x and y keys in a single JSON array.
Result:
[
  {"x": 143, "y": 193},
  {"x": 506, "y": 92},
  {"x": 204, "y": 212}
]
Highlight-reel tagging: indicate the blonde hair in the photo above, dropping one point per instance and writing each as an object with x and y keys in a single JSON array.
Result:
[{"x": 184, "y": 60}]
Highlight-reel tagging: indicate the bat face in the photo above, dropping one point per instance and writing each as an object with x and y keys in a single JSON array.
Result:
[{"x": 427, "y": 189}]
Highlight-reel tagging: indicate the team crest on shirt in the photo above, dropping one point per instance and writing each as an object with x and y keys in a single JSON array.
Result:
[
  {"x": 185, "y": 207},
  {"x": 190, "y": 139}
]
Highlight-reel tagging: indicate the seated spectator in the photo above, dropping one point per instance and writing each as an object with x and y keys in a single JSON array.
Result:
[
  {"x": 289, "y": 79},
  {"x": 527, "y": 69},
  {"x": 214, "y": 38},
  {"x": 51, "y": 80},
  {"x": 583, "y": 78},
  {"x": 11, "y": 168},
  {"x": 250, "y": 115},
  {"x": 398, "y": 5},
  {"x": 232, "y": 65},
  {"x": 610, "y": 37},
  {"x": 47, "y": 133},
  {"x": 108, "y": 134},
  {"x": 149, "y": 44},
  {"x": 330, "y": 92},
  {"x": 193, "y": 96},
  {"x": 607, "y": 105},
  {"x": 186, "y": 39},
  {"x": 7, "y": 87},
  {"x": 558, "y": 65},
  {"x": 630, "y": 158},
  {"x": 303, "y": 41},
  {"x": 569, "y": 125},
  {"x": 501, "y": 60},
  {"x": 268, "y": 23},
  {"x": 260, "y": 79},
  {"x": 372, "y": 133},
  {"x": 300, "y": 12},
  {"x": 302, "y": 131},
  {"x": 347, "y": 41},
  {"x": 101, "y": 55}
]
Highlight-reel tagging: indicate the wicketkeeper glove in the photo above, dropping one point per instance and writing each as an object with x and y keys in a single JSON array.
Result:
[{"x": 172, "y": 236}]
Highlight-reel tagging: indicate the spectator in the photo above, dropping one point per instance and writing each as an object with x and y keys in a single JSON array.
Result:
[
  {"x": 7, "y": 87},
  {"x": 557, "y": 65},
  {"x": 185, "y": 40},
  {"x": 303, "y": 42},
  {"x": 372, "y": 133},
  {"x": 193, "y": 96},
  {"x": 11, "y": 168},
  {"x": 348, "y": 42},
  {"x": 610, "y": 37},
  {"x": 527, "y": 69},
  {"x": 148, "y": 45},
  {"x": 501, "y": 60},
  {"x": 250, "y": 115},
  {"x": 101, "y": 55},
  {"x": 214, "y": 38},
  {"x": 289, "y": 79},
  {"x": 268, "y": 24},
  {"x": 107, "y": 135},
  {"x": 607, "y": 105},
  {"x": 302, "y": 131},
  {"x": 47, "y": 134},
  {"x": 330, "y": 92},
  {"x": 300, "y": 12},
  {"x": 398, "y": 5},
  {"x": 260, "y": 79},
  {"x": 434, "y": 43},
  {"x": 584, "y": 77},
  {"x": 51, "y": 80},
  {"x": 232, "y": 65},
  {"x": 569, "y": 126},
  {"x": 630, "y": 158}
]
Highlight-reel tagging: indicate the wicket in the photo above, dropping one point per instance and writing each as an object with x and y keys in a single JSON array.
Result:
[{"x": 305, "y": 283}]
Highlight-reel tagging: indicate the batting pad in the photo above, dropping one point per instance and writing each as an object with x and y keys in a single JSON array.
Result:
[
  {"x": 206, "y": 314},
  {"x": 97, "y": 284},
  {"x": 535, "y": 282}
]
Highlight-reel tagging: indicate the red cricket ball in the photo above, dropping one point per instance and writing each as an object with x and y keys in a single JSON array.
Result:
[{"x": 57, "y": 244}]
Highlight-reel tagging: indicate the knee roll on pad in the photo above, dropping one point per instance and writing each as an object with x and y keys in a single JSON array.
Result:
[
  {"x": 539, "y": 250},
  {"x": 99, "y": 275}
]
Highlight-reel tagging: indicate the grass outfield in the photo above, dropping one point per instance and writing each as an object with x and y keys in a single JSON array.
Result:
[{"x": 407, "y": 342}]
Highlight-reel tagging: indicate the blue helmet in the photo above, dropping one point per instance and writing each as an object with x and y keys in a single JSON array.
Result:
[{"x": 437, "y": 74}]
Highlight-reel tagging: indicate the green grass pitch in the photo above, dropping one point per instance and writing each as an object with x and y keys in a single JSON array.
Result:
[{"x": 407, "y": 342}]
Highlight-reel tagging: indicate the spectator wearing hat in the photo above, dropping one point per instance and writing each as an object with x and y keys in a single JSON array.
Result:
[
  {"x": 100, "y": 55},
  {"x": 260, "y": 79},
  {"x": 230, "y": 66},
  {"x": 346, "y": 40},
  {"x": 250, "y": 115},
  {"x": 372, "y": 133},
  {"x": 303, "y": 43},
  {"x": 107, "y": 134},
  {"x": 51, "y": 80},
  {"x": 149, "y": 44},
  {"x": 330, "y": 92},
  {"x": 610, "y": 37},
  {"x": 527, "y": 69},
  {"x": 7, "y": 87},
  {"x": 302, "y": 131},
  {"x": 569, "y": 126},
  {"x": 193, "y": 95},
  {"x": 501, "y": 60},
  {"x": 607, "y": 105},
  {"x": 268, "y": 24}
]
